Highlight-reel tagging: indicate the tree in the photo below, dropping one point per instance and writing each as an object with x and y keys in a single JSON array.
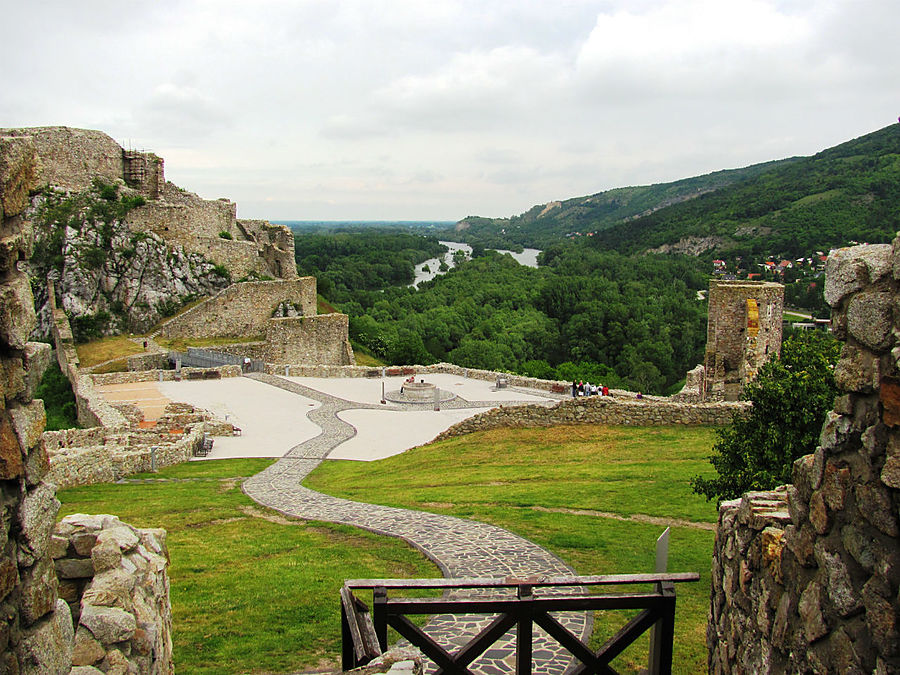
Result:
[{"x": 790, "y": 396}]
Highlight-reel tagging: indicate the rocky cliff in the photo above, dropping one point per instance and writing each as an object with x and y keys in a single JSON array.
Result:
[{"x": 123, "y": 246}]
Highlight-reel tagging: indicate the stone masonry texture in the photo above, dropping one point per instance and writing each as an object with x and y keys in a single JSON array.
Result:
[
  {"x": 805, "y": 578},
  {"x": 738, "y": 343}
]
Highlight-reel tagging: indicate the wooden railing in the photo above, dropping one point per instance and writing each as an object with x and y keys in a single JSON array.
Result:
[{"x": 364, "y": 630}]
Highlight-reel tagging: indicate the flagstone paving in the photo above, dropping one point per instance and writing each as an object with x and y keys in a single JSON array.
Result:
[{"x": 461, "y": 548}]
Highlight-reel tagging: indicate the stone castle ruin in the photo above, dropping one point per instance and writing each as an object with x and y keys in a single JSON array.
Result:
[
  {"x": 743, "y": 332},
  {"x": 178, "y": 244}
]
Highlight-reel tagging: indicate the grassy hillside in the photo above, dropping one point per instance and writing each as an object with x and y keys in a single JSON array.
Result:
[
  {"x": 547, "y": 223},
  {"x": 844, "y": 194},
  {"x": 784, "y": 208}
]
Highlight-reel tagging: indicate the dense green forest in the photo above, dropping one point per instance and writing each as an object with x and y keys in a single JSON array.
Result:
[
  {"x": 585, "y": 314},
  {"x": 362, "y": 259}
]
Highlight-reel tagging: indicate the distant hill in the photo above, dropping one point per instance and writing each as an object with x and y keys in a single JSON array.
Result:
[
  {"x": 789, "y": 207},
  {"x": 848, "y": 193},
  {"x": 545, "y": 224}
]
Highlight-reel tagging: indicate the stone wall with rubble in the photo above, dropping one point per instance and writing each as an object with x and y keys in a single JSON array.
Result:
[
  {"x": 242, "y": 310},
  {"x": 598, "y": 410},
  {"x": 321, "y": 339},
  {"x": 36, "y": 633},
  {"x": 113, "y": 578},
  {"x": 805, "y": 578}
]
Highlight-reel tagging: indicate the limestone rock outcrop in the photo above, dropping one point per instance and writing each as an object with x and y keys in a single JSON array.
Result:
[{"x": 124, "y": 246}]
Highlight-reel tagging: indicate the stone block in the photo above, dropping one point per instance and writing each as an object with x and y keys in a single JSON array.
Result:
[
  {"x": 9, "y": 577},
  {"x": 12, "y": 464},
  {"x": 874, "y": 503},
  {"x": 819, "y": 516},
  {"x": 870, "y": 318},
  {"x": 37, "y": 465},
  {"x": 38, "y": 589},
  {"x": 29, "y": 420},
  {"x": 857, "y": 370},
  {"x": 838, "y": 583},
  {"x": 800, "y": 541},
  {"x": 881, "y": 619},
  {"x": 88, "y": 650},
  {"x": 46, "y": 648},
  {"x": 811, "y": 615},
  {"x": 836, "y": 486},
  {"x": 36, "y": 518},
  {"x": 74, "y": 568},
  {"x": 36, "y": 361},
  {"x": 17, "y": 318},
  {"x": 19, "y": 168},
  {"x": 108, "y": 624}
]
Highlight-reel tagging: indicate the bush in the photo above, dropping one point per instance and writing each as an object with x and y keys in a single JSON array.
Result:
[
  {"x": 59, "y": 401},
  {"x": 790, "y": 396},
  {"x": 225, "y": 235}
]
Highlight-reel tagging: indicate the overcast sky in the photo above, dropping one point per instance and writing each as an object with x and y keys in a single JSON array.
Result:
[{"x": 433, "y": 109}]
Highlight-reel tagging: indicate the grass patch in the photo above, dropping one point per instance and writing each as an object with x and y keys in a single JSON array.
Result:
[
  {"x": 181, "y": 344},
  {"x": 106, "y": 349},
  {"x": 249, "y": 592},
  {"x": 498, "y": 476},
  {"x": 365, "y": 358}
]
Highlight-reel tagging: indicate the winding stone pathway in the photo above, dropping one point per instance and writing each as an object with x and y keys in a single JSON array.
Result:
[{"x": 461, "y": 548}]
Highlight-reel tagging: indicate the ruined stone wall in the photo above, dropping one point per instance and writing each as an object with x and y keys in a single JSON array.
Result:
[
  {"x": 319, "y": 339},
  {"x": 91, "y": 408},
  {"x": 805, "y": 578},
  {"x": 185, "y": 223},
  {"x": 35, "y": 625},
  {"x": 276, "y": 245},
  {"x": 242, "y": 310},
  {"x": 743, "y": 332},
  {"x": 240, "y": 257},
  {"x": 115, "y": 454},
  {"x": 599, "y": 410},
  {"x": 71, "y": 158},
  {"x": 113, "y": 577}
]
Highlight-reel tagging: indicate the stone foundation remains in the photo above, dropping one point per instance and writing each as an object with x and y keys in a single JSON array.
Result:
[{"x": 805, "y": 578}]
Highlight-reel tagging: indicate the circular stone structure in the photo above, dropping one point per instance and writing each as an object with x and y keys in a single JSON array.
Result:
[{"x": 418, "y": 392}]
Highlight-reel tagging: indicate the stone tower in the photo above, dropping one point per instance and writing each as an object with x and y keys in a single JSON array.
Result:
[{"x": 743, "y": 331}]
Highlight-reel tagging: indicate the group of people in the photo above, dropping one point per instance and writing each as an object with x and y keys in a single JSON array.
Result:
[{"x": 587, "y": 389}]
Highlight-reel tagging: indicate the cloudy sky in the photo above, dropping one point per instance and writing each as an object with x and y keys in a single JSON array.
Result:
[{"x": 437, "y": 109}]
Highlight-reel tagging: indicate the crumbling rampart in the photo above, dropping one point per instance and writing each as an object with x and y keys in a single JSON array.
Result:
[
  {"x": 805, "y": 578},
  {"x": 314, "y": 339},
  {"x": 242, "y": 310}
]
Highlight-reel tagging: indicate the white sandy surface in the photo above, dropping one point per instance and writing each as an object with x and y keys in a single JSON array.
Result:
[
  {"x": 368, "y": 390},
  {"x": 382, "y": 433},
  {"x": 272, "y": 421}
]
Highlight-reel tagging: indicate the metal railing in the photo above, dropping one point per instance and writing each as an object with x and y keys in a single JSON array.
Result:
[{"x": 195, "y": 357}]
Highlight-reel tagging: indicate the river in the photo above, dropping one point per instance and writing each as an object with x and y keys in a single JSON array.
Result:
[{"x": 527, "y": 257}]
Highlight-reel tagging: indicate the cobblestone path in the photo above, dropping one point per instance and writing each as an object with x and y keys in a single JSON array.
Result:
[{"x": 461, "y": 548}]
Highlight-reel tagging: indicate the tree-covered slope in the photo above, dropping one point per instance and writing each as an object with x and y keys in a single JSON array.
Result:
[
  {"x": 847, "y": 193},
  {"x": 545, "y": 224}
]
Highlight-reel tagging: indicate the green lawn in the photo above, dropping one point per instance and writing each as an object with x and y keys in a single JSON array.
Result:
[
  {"x": 249, "y": 595},
  {"x": 500, "y": 476},
  {"x": 252, "y": 595}
]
